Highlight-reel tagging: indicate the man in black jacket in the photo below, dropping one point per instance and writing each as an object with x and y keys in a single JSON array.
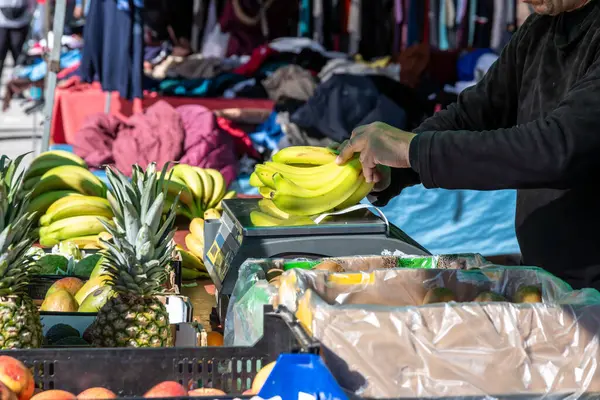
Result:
[{"x": 532, "y": 124}]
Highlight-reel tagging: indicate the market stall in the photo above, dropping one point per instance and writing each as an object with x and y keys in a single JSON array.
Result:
[{"x": 133, "y": 266}]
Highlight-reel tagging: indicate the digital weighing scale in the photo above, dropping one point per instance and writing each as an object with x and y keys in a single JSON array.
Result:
[{"x": 234, "y": 238}]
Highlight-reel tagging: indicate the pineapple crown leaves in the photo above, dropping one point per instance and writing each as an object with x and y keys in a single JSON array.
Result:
[
  {"x": 141, "y": 247},
  {"x": 16, "y": 229}
]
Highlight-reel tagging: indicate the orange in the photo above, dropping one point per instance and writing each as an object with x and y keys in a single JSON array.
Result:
[{"x": 214, "y": 339}]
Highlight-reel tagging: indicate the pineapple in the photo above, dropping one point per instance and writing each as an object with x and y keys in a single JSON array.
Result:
[
  {"x": 137, "y": 261},
  {"x": 20, "y": 325}
]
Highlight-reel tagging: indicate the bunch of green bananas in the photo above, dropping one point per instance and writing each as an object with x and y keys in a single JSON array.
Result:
[
  {"x": 75, "y": 219},
  {"x": 56, "y": 174},
  {"x": 304, "y": 181},
  {"x": 200, "y": 191}
]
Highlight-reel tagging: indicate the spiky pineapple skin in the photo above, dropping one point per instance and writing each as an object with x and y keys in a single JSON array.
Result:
[
  {"x": 20, "y": 326},
  {"x": 131, "y": 321}
]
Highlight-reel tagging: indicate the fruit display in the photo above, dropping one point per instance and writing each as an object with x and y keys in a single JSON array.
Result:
[
  {"x": 20, "y": 325},
  {"x": 56, "y": 174},
  {"x": 76, "y": 220},
  {"x": 305, "y": 181},
  {"x": 200, "y": 191},
  {"x": 71, "y": 294},
  {"x": 137, "y": 259}
]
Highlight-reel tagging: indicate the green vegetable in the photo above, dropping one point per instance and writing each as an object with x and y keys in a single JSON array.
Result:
[
  {"x": 87, "y": 265},
  {"x": 53, "y": 264}
]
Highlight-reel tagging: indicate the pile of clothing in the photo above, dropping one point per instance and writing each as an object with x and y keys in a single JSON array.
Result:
[{"x": 189, "y": 134}]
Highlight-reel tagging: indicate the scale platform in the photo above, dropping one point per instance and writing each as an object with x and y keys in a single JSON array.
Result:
[{"x": 234, "y": 238}]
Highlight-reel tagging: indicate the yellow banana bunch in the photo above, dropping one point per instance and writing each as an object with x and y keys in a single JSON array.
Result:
[
  {"x": 47, "y": 161},
  {"x": 70, "y": 177},
  {"x": 201, "y": 190},
  {"x": 73, "y": 227},
  {"x": 67, "y": 207},
  {"x": 41, "y": 203},
  {"x": 194, "y": 241},
  {"x": 305, "y": 181},
  {"x": 192, "y": 267}
]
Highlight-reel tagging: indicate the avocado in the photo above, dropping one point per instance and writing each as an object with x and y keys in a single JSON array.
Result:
[
  {"x": 439, "y": 295},
  {"x": 71, "y": 341},
  {"x": 95, "y": 300},
  {"x": 52, "y": 264},
  {"x": 489, "y": 296},
  {"x": 59, "y": 301},
  {"x": 528, "y": 294},
  {"x": 60, "y": 331},
  {"x": 87, "y": 265}
]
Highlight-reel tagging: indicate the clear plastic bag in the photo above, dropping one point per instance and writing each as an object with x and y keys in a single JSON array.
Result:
[
  {"x": 243, "y": 324},
  {"x": 380, "y": 340}
]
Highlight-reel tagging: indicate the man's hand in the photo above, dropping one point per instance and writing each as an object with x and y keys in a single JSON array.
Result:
[{"x": 379, "y": 144}]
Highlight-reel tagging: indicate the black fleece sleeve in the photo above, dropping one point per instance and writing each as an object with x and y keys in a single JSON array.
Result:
[
  {"x": 557, "y": 151},
  {"x": 490, "y": 104}
]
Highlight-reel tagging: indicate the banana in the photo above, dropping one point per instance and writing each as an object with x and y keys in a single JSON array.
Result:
[
  {"x": 41, "y": 203},
  {"x": 84, "y": 241},
  {"x": 229, "y": 195},
  {"x": 208, "y": 184},
  {"x": 212, "y": 214},
  {"x": 296, "y": 200},
  {"x": 103, "y": 237},
  {"x": 185, "y": 196},
  {"x": 268, "y": 207},
  {"x": 259, "y": 218},
  {"x": 197, "y": 228},
  {"x": 312, "y": 182},
  {"x": 265, "y": 192},
  {"x": 195, "y": 246},
  {"x": 363, "y": 190},
  {"x": 255, "y": 181},
  {"x": 47, "y": 241},
  {"x": 77, "y": 200},
  {"x": 192, "y": 181},
  {"x": 193, "y": 274},
  {"x": 50, "y": 159},
  {"x": 294, "y": 169},
  {"x": 77, "y": 206},
  {"x": 74, "y": 227},
  {"x": 262, "y": 219},
  {"x": 190, "y": 261},
  {"x": 31, "y": 182},
  {"x": 70, "y": 177},
  {"x": 219, "y": 187},
  {"x": 181, "y": 209},
  {"x": 308, "y": 155}
]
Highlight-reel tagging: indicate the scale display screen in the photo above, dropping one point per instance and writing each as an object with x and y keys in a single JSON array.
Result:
[{"x": 356, "y": 222}]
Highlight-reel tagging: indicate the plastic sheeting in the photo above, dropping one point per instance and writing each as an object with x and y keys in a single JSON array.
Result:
[
  {"x": 252, "y": 291},
  {"x": 381, "y": 341}
]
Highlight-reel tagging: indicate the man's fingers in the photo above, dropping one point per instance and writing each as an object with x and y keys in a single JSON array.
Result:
[
  {"x": 347, "y": 150},
  {"x": 369, "y": 173}
]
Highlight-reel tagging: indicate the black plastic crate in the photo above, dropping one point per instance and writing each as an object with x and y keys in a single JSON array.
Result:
[{"x": 131, "y": 372}]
